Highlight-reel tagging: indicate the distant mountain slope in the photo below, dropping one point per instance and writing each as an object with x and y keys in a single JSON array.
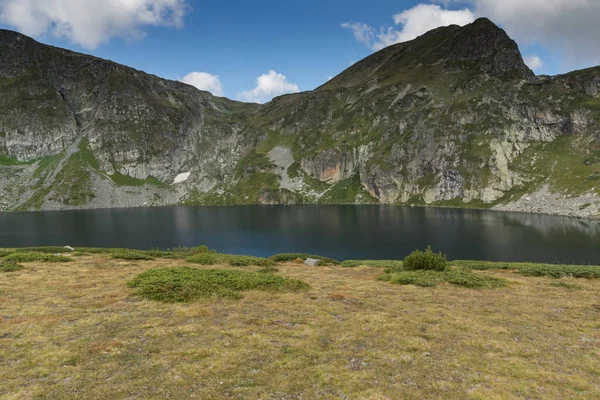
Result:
[{"x": 454, "y": 117}]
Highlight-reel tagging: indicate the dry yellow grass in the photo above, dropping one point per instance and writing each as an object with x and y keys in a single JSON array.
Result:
[{"x": 73, "y": 331}]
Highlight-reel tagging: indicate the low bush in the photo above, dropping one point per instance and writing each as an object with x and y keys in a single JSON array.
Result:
[
  {"x": 286, "y": 257},
  {"x": 425, "y": 260},
  {"x": 46, "y": 249},
  {"x": 4, "y": 253},
  {"x": 244, "y": 261},
  {"x": 191, "y": 250},
  {"x": 99, "y": 250},
  {"x": 184, "y": 284},
  {"x": 36, "y": 257},
  {"x": 9, "y": 266},
  {"x": 131, "y": 255},
  {"x": 204, "y": 259},
  {"x": 268, "y": 270},
  {"x": 468, "y": 279},
  {"x": 422, "y": 278},
  {"x": 532, "y": 269},
  {"x": 388, "y": 264},
  {"x": 561, "y": 271},
  {"x": 484, "y": 265},
  {"x": 459, "y": 277}
]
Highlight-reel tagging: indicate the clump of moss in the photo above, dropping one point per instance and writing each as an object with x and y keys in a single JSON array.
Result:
[
  {"x": 177, "y": 285},
  {"x": 18, "y": 257}
]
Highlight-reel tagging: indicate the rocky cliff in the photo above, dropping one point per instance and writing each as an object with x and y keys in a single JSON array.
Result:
[{"x": 452, "y": 118}]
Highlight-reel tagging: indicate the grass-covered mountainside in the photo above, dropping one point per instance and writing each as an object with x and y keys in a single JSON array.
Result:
[{"x": 452, "y": 118}]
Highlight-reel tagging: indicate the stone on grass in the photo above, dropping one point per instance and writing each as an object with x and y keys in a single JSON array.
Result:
[{"x": 311, "y": 262}]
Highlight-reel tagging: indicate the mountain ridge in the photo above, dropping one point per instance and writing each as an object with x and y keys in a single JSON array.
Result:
[{"x": 453, "y": 117}]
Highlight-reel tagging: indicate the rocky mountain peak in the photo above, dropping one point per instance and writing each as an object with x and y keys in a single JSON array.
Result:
[{"x": 478, "y": 48}]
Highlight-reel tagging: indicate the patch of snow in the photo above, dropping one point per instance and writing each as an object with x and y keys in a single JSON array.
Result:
[{"x": 181, "y": 178}]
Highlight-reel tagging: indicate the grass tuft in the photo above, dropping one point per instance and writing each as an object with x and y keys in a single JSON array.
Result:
[{"x": 180, "y": 285}]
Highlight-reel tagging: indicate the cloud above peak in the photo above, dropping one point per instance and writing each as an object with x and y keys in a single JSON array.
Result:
[
  {"x": 268, "y": 85},
  {"x": 569, "y": 28},
  {"x": 413, "y": 23},
  {"x": 204, "y": 81},
  {"x": 90, "y": 23}
]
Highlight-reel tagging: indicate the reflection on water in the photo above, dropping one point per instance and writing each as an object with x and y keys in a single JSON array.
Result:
[{"x": 343, "y": 232}]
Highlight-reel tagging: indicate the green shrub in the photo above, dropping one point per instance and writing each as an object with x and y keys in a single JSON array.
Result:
[
  {"x": 389, "y": 264},
  {"x": 156, "y": 253},
  {"x": 484, "y": 265},
  {"x": 131, "y": 255},
  {"x": 427, "y": 260},
  {"x": 286, "y": 257},
  {"x": 422, "y": 278},
  {"x": 46, "y": 249},
  {"x": 99, "y": 250},
  {"x": 244, "y": 261},
  {"x": 429, "y": 278},
  {"x": 268, "y": 270},
  {"x": 204, "y": 259},
  {"x": 9, "y": 266},
  {"x": 468, "y": 279},
  {"x": 36, "y": 257},
  {"x": 4, "y": 253},
  {"x": 561, "y": 271},
  {"x": 184, "y": 284}
]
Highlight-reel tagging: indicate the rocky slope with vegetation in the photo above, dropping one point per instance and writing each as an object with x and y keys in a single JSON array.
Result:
[{"x": 452, "y": 118}]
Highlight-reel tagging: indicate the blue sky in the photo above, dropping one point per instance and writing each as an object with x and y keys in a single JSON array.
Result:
[{"x": 232, "y": 43}]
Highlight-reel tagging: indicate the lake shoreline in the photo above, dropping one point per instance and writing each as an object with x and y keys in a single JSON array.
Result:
[{"x": 510, "y": 208}]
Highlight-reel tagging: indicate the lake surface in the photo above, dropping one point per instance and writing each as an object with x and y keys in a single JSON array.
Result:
[{"x": 341, "y": 232}]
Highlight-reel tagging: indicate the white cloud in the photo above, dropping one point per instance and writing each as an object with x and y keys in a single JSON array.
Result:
[
  {"x": 90, "y": 23},
  {"x": 204, "y": 81},
  {"x": 570, "y": 27},
  {"x": 414, "y": 22},
  {"x": 534, "y": 62},
  {"x": 268, "y": 86}
]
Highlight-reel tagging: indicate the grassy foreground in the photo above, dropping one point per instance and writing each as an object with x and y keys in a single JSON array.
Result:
[{"x": 73, "y": 328}]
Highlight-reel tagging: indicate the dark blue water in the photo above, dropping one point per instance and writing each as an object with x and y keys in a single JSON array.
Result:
[{"x": 342, "y": 232}]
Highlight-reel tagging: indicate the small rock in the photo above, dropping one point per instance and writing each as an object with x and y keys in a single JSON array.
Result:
[
  {"x": 311, "y": 262},
  {"x": 70, "y": 248}
]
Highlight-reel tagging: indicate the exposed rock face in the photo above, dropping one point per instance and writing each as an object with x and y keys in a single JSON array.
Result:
[
  {"x": 332, "y": 165},
  {"x": 454, "y": 117}
]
